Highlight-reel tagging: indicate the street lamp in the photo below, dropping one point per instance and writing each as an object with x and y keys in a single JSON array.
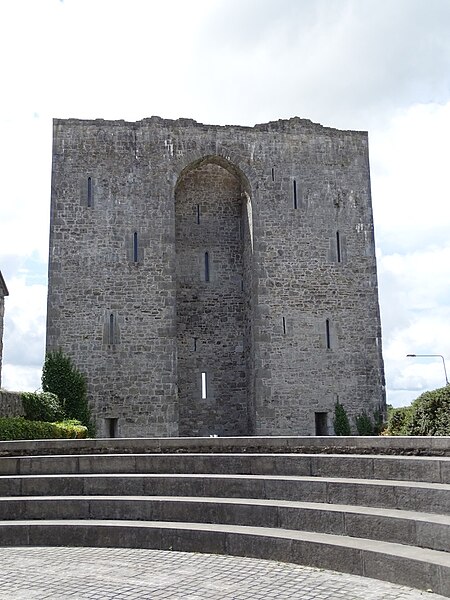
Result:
[{"x": 429, "y": 356}]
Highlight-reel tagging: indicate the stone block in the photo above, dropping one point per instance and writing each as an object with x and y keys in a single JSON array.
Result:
[{"x": 320, "y": 520}]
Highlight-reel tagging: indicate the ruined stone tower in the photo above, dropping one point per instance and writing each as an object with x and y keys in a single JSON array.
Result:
[
  {"x": 3, "y": 292},
  {"x": 215, "y": 280}
]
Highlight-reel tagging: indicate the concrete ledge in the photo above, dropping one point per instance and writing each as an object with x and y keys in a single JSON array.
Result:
[
  {"x": 403, "y": 527},
  {"x": 397, "y": 563},
  {"x": 407, "y": 468},
  {"x": 413, "y": 496},
  {"x": 417, "y": 446}
]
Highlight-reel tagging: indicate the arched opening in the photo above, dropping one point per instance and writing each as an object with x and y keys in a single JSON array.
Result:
[{"x": 213, "y": 236}]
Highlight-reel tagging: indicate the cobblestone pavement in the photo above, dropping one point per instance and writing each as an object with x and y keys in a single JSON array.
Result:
[{"x": 132, "y": 574}]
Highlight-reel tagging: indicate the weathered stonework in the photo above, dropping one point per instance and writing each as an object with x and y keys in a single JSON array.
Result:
[
  {"x": 3, "y": 292},
  {"x": 215, "y": 280},
  {"x": 11, "y": 404}
]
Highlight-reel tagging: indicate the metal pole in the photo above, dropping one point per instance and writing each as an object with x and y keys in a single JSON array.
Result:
[{"x": 430, "y": 356}]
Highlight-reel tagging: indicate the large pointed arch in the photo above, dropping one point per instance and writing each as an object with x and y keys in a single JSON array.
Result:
[{"x": 214, "y": 297}]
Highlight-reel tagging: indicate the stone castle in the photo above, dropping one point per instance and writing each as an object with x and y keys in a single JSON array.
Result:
[{"x": 215, "y": 280}]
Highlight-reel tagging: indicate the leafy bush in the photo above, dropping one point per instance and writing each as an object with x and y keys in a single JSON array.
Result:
[
  {"x": 367, "y": 426},
  {"x": 398, "y": 420},
  {"x": 43, "y": 406},
  {"x": 62, "y": 378},
  {"x": 430, "y": 413},
  {"x": 341, "y": 423},
  {"x": 364, "y": 425},
  {"x": 379, "y": 423},
  {"x": 19, "y": 428}
]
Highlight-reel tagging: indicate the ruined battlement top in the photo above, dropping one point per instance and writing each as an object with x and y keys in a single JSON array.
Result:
[{"x": 292, "y": 125}]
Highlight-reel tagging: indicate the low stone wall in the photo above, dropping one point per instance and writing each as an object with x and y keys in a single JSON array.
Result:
[
  {"x": 10, "y": 404},
  {"x": 389, "y": 445}
]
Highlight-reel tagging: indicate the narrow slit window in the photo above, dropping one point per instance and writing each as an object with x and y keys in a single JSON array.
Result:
[
  {"x": 204, "y": 386},
  {"x": 284, "y": 325},
  {"x": 111, "y": 328},
  {"x": 195, "y": 344},
  {"x": 198, "y": 214},
  {"x": 135, "y": 247},
  {"x": 294, "y": 191},
  {"x": 328, "y": 333},
  {"x": 89, "y": 191},
  {"x": 338, "y": 247},
  {"x": 273, "y": 174},
  {"x": 206, "y": 266}
]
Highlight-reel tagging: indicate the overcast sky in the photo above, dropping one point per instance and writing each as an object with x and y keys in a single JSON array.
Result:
[{"x": 376, "y": 65}]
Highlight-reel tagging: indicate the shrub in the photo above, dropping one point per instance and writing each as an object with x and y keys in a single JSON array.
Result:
[
  {"x": 62, "y": 378},
  {"x": 430, "y": 413},
  {"x": 341, "y": 423},
  {"x": 398, "y": 420},
  {"x": 364, "y": 425},
  {"x": 19, "y": 428},
  {"x": 379, "y": 423},
  {"x": 43, "y": 406}
]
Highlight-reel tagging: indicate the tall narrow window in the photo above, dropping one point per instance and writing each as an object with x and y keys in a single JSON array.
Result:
[
  {"x": 89, "y": 191},
  {"x": 204, "y": 386},
  {"x": 111, "y": 328},
  {"x": 328, "y": 333},
  {"x": 294, "y": 191},
  {"x": 273, "y": 174},
  {"x": 135, "y": 247},
  {"x": 198, "y": 214},
  {"x": 195, "y": 344},
  {"x": 338, "y": 246},
  {"x": 206, "y": 266},
  {"x": 284, "y": 325}
]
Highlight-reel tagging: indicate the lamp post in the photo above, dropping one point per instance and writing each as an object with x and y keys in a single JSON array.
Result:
[{"x": 429, "y": 356}]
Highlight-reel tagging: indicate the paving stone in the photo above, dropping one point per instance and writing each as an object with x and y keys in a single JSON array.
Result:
[{"x": 135, "y": 574}]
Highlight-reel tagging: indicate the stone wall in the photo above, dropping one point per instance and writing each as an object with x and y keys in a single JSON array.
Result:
[
  {"x": 287, "y": 323},
  {"x": 3, "y": 292},
  {"x": 11, "y": 404}
]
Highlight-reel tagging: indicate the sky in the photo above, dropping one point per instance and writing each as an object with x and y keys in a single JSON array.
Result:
[{"x": 381, "y": 66}]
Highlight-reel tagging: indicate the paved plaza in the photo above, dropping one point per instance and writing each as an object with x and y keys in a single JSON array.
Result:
[{"x": 135, "y": 574}]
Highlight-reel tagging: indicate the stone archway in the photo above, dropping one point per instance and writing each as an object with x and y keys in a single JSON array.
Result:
[{"x": 213, "y": 239}]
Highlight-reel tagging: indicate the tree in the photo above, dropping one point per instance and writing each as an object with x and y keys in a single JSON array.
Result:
[
  {"x": 62, "y": 378},
  {"x": 340, "y": 422},
  {"x": 429, "y": 414}
]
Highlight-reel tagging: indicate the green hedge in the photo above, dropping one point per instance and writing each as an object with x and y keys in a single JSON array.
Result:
[
  {"x": 429, "y": 414},
  {"x": 18, "y": 428},
  {"x": 42, "y": 406}
]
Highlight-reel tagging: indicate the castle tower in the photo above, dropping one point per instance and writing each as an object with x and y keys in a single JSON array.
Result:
[
  {"x": 215, "y": 280},
  {"x": 3, "y": 292}
]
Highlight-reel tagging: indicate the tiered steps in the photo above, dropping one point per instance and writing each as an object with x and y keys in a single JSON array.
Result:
[{"x": 379, "y": 515}]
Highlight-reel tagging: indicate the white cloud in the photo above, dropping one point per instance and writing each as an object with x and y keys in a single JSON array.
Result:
[
  {"x": 24, "y": 334},
  {"x": 412, "y": 221}
]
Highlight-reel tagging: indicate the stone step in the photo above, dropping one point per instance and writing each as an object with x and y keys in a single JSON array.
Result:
[
  {"x": 417, "y": 567},
  {"x": 405, "y": 527},
  {"x": 405, "y": 468},
  {"x": 396, "y": 445},
  {"x": 403, "y": 495}
]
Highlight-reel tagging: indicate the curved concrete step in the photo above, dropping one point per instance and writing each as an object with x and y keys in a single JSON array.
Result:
[
  {"x": 403, "y": 527},
  {"x": 396, "y": 445},
  {"x": 417, "y": 567},
  {"x": 405, "y": 468},
  {"x": 416, "y": 496}
]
